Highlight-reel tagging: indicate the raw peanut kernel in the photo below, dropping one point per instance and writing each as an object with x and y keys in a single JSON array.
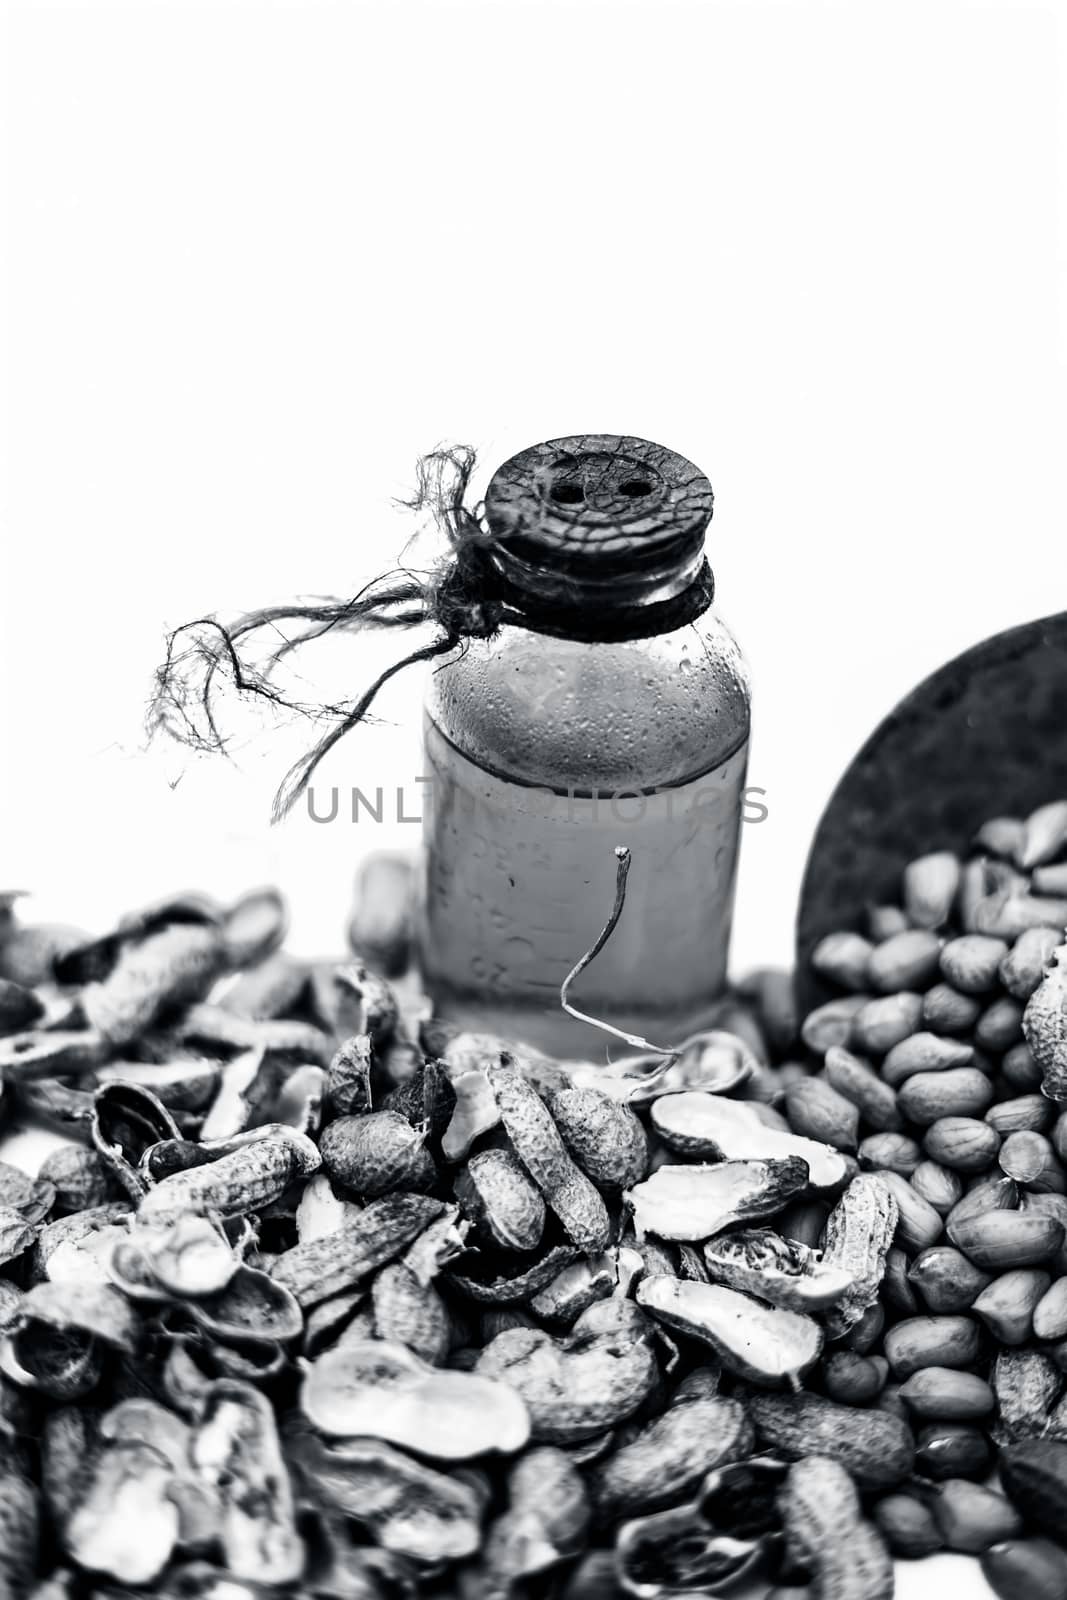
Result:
[
  {"x": 929, "y": 887},
  {"x": 971, "y": 963},
  {"x": 842, "y": 958},
  {"x": 908, "y": 960}
]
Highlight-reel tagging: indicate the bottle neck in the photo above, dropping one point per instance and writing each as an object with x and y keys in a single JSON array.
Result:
[
  {"x": 546, "y": 584},
  {"x": 641, "y": 608}
]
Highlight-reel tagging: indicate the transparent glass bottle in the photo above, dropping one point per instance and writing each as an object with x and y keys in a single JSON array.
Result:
[{"x": 617, "y": 714}]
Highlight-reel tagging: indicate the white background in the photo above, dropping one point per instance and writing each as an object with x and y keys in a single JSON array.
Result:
[{"x": 261, "y": 256}]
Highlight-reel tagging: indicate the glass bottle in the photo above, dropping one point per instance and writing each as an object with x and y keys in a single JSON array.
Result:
[{"x": 617, "y": 714}]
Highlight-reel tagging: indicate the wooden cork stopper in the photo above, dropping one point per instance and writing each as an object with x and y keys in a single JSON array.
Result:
[{"x": 599, "y": 504}]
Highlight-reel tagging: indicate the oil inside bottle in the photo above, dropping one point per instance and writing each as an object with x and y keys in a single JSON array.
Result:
[
  {"x": 614, "y": 710},
  {"x": 520, "y": 881}
]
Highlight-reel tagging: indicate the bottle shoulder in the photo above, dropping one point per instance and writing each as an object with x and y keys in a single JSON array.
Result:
[{"x": 568, "y": 714}]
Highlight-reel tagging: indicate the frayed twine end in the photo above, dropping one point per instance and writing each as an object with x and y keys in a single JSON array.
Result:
[{"x": 205, "y": 657}]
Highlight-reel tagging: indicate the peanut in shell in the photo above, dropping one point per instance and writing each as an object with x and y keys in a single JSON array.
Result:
[
  {"x": 1045, "y": 1027},
  {"x": 546, "y": 1521},
  {"x": 343, "y": 1259},
  {"x": 348, "y": 1091},
  {"x": 410, "y": 1312},
  {"x": 576, "y": 1389},
  {"x": 246, "y": 1179},
  {"x": 537, "y": 1143},
  {"x": 171, "y": 966},
  {"x": 376, "y": 1154},
  {"x": 604, "y": 1138},
  {"x": 495, "y": 1190},
  {"x": 858, "y": 1235},
  {"x": 670, "y": 1457},
  {"x": 876, "y": 1447},
  {"x": 1027, "y": 1384},
  {"x": 823, "y": 1523}
]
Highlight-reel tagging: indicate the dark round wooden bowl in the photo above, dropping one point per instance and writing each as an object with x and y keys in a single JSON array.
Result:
[{"x": 984, "y": 736}]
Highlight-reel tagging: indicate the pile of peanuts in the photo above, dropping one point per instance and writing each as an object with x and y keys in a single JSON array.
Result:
[
  {"x": 318, "y": 1295},
  {"x": 939, "y": 1066}
]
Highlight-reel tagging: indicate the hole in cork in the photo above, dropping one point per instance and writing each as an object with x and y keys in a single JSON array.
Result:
[
  {"x": 567, "y": 494},
  {"x": 634, "y": 488}
]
